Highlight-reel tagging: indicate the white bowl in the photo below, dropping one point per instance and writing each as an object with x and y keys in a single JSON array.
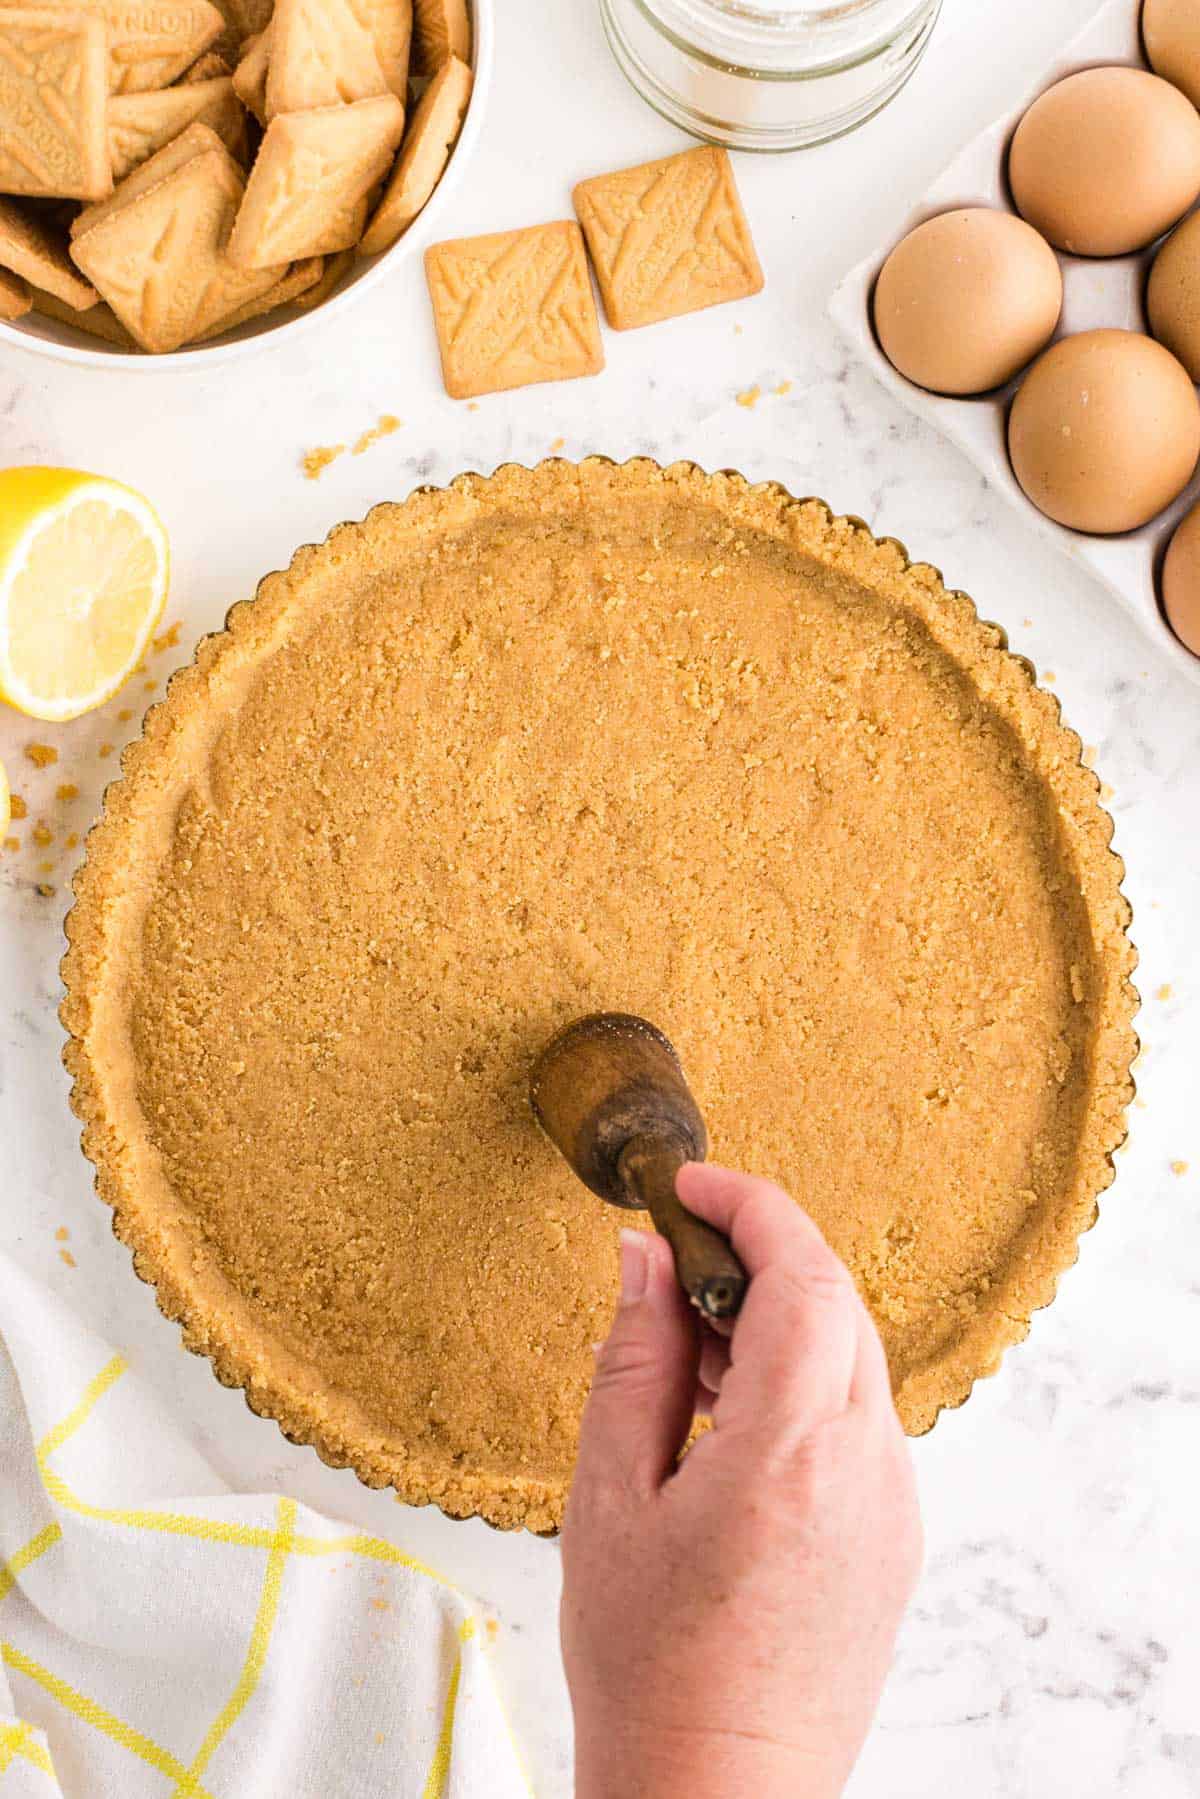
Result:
[{"x": 47, "y": 337}]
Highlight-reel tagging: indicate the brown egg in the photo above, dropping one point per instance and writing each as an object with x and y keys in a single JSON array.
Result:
[
  {"x": 1171, "y": 34},
  {"x": 1105, "y": 161},
  {"x": 1104, "y": 431},
  {"x": 965, "y": 300},
  {"x": 1181, "y": 581},
  {"x": 1173, "y": 295}
]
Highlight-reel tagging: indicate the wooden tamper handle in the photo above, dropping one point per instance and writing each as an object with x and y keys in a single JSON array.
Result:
[{"x": 609, "y": 1093}]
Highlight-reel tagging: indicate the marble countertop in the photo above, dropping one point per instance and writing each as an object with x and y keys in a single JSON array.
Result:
[{"x": 1052, "y": 1647}]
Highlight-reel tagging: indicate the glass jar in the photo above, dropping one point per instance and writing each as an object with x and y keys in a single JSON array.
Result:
[{"x": 767, "y": 74}]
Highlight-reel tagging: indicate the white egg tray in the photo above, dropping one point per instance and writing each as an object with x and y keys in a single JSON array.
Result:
[{"x": 1096, "y": 293}]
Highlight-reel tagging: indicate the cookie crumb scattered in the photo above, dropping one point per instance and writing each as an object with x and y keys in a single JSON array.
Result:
[
  {"x": 785, "y": 387},
  {"x": 380, "y": 1605},
  {"x": 1163, "y": 992},
  {"x": 1028, "y": 623},
  {"x": 41, "y": 836},
  {"x": 749, "y": 397},
  {"x": 168, "y": 639},
  {"x": 106, "y": 749},
  {"x": 17, "y": 806},
  {"x": 387, "y": 424},
  {"x": 149, "y": 686},
  {"x": 64, "y": 1255},
  {"x": 557, "y": 445},
  {"x": 66, "y": 792},
  {"x": 62, "y": 1234},
  {"x": 46, "y": 891},
  {"x": 124, "y": 715},
  {"x": 72, "y": 841},
  {"x": 1179, "y": 1167},
  {"x": 472, "y": 405},
  {"x": 45, "y": 868},
  {"x": 12, "y": 843},
  {"x": 42, "y": 755},
  {"x": 315, "y": 462},
  {"x": 1049, "y": 677}
]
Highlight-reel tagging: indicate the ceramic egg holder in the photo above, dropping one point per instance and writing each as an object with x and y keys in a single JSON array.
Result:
[{"x": 1096, "y": 293}]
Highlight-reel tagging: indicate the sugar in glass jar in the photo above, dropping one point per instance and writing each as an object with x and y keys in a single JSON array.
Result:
[{"x": 768, "y": 74}]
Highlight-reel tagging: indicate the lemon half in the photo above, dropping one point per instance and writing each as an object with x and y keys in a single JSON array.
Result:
[{"x": 84, "y": 570}]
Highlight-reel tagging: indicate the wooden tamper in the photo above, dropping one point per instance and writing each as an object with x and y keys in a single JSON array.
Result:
[{"x": 609, "y": 1093}]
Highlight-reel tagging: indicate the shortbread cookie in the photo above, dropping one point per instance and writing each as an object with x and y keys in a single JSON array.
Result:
[
  {"x": 250, "y": 76},
  {"x": 148, "y": 174},
  {"x": 53, "y": 93},
  {"x": 15, "y": 297},
  {"x": 322, "y": 53},
  {"x": 331, "y": 274},
  {"x": 668, "y": 237},
  {"x": 249, "y": 16},
  {"x": 154, "y": 259},
  {"x": 441, "y": 28},
  {"x": 98, "y": 321},
  {"x": 140, "y": 124},
  {"x": 390, "y": 23},
  {"x": 297, "y": 283},
  {"x": 30, "y": 249},
  {"x": 424, "y": 155},
  {"x": 150, "y": 42},
  {"x": 307, "y": 191},
  {"x": 210, "y": 67},
  {"x": 513, "y": 308}
]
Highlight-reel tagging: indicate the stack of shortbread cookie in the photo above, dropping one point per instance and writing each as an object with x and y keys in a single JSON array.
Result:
[{"x": 170, "y": 169}]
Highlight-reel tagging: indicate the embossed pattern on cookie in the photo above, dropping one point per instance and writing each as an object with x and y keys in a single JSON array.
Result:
[
  {"x": 512, "y": 308},
  {"x": 322, "y": 53},
  {"x": 53, "y": 92},
  {"x": 307, "y": 193},
  {"x": 154, "y": 259},
  {"x": 140, "y": 124},
  {"x": 668, "y": 237},
  {"x": 150, "y": 42}
]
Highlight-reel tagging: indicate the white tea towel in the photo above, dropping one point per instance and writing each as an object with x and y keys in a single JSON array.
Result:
[{"x": 161, "y": 1636}]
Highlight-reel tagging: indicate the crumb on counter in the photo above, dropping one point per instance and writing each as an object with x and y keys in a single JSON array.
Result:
[
  {"x": 42, "y": 755},
  {"x": 66, "y": 792},
  {"x": 12, "y": 843},
  {"x": 749, "y": 397},
  {"x": 388, "y": 423},
  {"x": 72, "y": 841},
  {"x": 106, "y": 749},
  {"x": 149, "y": 686},
  {"x": 1028, "y": 623},
  {"x": 1163, "y": 992},
  {"x": 472, "y": 405},
  {"x": 167, "y": 640},
  {"x": 41, "y": 835},
  {"x": 46, "y": 891},
  {"x": 64, "y": 1255},
  {"x": 1179, "y": 1167},
  {"x": 17, "y": 806},
  {"x": 124, "y": 715},
  {"x": 557, "y": 445},
  {"x": 315, "y": 462},
  {"x": 785, "y": 387},
  {"x": 62, "y": 1234},
  {"x": 1049, "y": 677},
  {"x": 45, "y": 868}
]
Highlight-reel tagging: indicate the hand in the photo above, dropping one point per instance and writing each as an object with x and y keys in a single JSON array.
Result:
[{"x": 728, "y": 1621}]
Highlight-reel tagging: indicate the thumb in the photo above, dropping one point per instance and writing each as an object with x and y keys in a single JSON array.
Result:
[{"x": 643, "y": 1396}]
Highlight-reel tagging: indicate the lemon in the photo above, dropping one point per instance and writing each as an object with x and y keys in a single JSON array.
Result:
[{"x": 83, "y": 582}]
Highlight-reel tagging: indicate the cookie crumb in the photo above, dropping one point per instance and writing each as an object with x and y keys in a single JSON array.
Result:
[
  {"x": 380, "y": 1605},
  {"x": 124, "y": 715},
  {"x": 12, "y": 843},
  {"x": 472, "y": 405},
  {"x": 45, "y": 868},
  {"x": 41, "y": 836},
  {"x": 1049, "y": 677},
  {"x": 1163, "y": 992},
  {"x": 315, "y": 462},
  {"x": 149, "y": 686},
  {"x": 749, "y": 396},
  {"x": 65, "y": 1255},
  {"x": 42, "y": 755},
  {"x": 785, "y": 387},
  {"x": 62, "y": 1234},
  {"x": 46, "y": 891},
  {"x": 1028, "y": 623},
  {"x": 17, "y": 806},
  {"x": 387, "y": 424},
  {"x": 72, "y": 841},
  {"x": 106, "y": 749},
  {"x": 168, "y": 639},
  {"x": 66, "y": 792},
  {"x": 1179, "y": 1167}
]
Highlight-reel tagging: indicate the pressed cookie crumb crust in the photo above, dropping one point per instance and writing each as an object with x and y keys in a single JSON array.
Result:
[{"x": 562, "y": 740}]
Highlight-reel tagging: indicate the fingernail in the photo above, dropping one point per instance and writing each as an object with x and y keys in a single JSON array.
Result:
[{"x": 635, "y": 1267}]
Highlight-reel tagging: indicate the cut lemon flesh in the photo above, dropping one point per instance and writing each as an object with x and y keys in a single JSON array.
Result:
[{"x": 83, "y": 581}]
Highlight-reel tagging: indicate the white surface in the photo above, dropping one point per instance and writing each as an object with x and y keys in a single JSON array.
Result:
[
  {"x": 39, "y": 335},
  {"x": 1095, "y": 292},
  {"x": 156, "y": 1563},
  {"x": 1052, "y": 1648}
]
